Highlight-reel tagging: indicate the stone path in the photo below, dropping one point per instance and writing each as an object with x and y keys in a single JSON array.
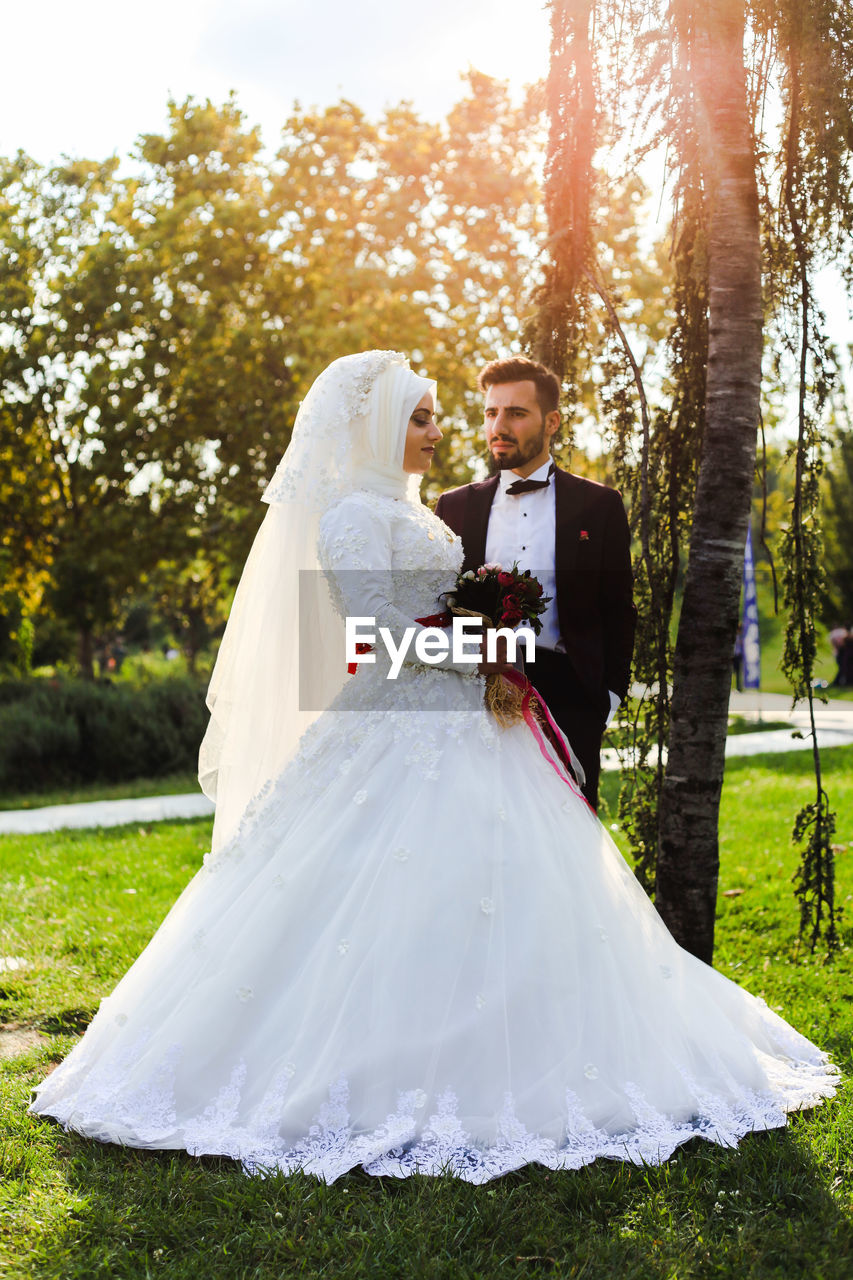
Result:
[
  {"x": 834, "y": 721},
  {"x": 104, "y": 813}
]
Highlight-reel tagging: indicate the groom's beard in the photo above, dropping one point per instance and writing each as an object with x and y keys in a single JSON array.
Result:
[{"x": 518, "y": 456}]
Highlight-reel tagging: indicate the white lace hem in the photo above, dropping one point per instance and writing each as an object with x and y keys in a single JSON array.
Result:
[{"x": 408, "y": 1144}]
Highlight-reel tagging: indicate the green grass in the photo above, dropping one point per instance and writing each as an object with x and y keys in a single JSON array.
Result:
[
  {"x": 174, "y": 784},
  {"x": 781, "y": 1206}
]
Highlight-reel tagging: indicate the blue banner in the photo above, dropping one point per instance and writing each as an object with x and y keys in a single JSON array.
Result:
[{"x": 750, "y": 637}]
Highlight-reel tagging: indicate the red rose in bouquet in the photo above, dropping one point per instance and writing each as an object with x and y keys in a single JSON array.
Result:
[
  {"x": 512, "y": 613},
  {"x": 502, "y": 598},
  {"x": 506, "y": 597}
]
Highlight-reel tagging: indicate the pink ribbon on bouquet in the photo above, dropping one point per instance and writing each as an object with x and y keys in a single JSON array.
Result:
[
  {"x": 521, "y": 682},
  {"x": 529, "y": 693}
]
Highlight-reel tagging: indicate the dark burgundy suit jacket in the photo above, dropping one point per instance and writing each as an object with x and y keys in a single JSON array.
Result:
[{"x": 592, "y": 555}]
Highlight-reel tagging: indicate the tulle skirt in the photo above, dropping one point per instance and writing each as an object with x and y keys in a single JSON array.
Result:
[{"x": 423, "y": 953}]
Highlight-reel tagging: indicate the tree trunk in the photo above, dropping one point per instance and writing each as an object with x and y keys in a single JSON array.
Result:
[
  {"x": 86, "y": 653},
  {"x": 688, "y": 855}
]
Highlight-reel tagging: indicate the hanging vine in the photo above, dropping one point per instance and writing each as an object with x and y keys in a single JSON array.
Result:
[
  {"x": 674, "y": 444},
  {"x": 801, "y": 51},
  {"x": 557, "y": 333},
  {"x": 671, "y": 445},
  {"x": 814, "y": 825},
  {"x": 653, "y": 451}
]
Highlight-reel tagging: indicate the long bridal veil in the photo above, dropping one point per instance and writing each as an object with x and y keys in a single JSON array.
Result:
[{"x": 264, "y": 693}]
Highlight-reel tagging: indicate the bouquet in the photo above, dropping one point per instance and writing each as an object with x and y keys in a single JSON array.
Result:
[{"x": 501, "y": 598}]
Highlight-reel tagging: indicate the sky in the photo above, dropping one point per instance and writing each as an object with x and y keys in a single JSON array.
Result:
[{"x": 87, "y": 78}]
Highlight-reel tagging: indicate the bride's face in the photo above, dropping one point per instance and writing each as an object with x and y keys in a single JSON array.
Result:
[{"x": 422, "y": 435}]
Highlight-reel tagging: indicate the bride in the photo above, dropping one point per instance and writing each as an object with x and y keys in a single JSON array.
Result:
[{"x": 413, "y": 947}]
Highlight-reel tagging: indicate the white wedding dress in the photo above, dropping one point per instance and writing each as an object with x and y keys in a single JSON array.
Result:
[{"x": 421, "y": 952}]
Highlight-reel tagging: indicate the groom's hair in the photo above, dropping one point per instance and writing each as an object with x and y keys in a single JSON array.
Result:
[{"x": 520, "y": 369}]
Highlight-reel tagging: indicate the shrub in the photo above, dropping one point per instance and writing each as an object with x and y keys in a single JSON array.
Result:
[
  {"x": 14, "y": 691},
  {"x": 61, "y": 732}
]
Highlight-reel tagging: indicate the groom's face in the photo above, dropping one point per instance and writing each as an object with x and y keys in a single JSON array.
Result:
[{"x": 516, "y": 432}]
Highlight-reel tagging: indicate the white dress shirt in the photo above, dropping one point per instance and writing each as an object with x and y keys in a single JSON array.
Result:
[{"x": 523, "y": 530}]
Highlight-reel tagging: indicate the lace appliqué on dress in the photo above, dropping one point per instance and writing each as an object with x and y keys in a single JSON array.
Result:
[{"x": 415, "y": 1139}]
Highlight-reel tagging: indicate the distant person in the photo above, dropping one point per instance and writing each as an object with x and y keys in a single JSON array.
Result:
[
  {"x": 844, "y": 679},
  {"x": 838, "y": 637},
  {"x": 737, "y": 658}
]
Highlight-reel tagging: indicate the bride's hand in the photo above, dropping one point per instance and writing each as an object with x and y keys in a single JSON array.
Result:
[{"x": 500, "y": 665}]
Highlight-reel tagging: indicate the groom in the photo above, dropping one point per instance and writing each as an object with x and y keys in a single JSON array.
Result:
[{"x": 573, "y": 536}]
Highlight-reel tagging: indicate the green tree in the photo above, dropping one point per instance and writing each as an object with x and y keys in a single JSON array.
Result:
[
  {"x": 414, "y": 236},
  {"x": 73, "y": 513},
  {"x": 190, "y": 599},
  {"x": 757, "y": 207},
  {"x": 159, "y": 328},
  {"x": 207, "y": 393}
]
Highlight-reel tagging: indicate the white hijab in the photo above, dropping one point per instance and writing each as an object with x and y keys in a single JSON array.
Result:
[{"x": 350, "y": 433}]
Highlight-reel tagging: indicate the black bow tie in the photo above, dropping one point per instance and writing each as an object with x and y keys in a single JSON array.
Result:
[{"x": 527, "y": 486}]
